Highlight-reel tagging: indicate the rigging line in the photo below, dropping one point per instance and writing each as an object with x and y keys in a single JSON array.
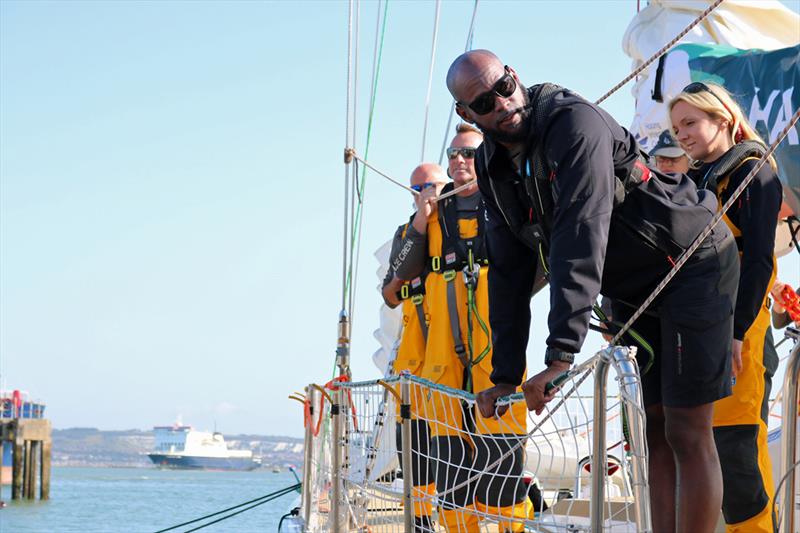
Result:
[
  {"x": 357, "y": 261},
  {"x": 658, "y": 54},
  {"x": 280, "y": 491},
  {"x": 376, "y": 59},
  {"x": 707, "y": 231},
  {"x": 355, "y": 173},
  {"x": 355, "y": 237},
  {"x": 347, "y": 143},
  {"x": 467, "y": 47},
  {"x": 406, "y": 187},
  {"x": 284, "y": 493},
  {"x": 399, "y": 184},
  {"x": 430, "y": 77}
]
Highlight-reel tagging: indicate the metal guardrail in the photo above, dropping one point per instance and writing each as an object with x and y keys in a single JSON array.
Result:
[
  {"x": 624, "y": 362},
  {"x": 342, "y": 502},
  {"x": 789, "y": 434}
]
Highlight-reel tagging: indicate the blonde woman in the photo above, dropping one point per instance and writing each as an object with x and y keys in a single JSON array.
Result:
[{"x": 711, "y": 128}]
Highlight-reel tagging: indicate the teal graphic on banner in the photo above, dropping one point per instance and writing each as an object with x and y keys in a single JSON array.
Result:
[{"x": 766, "y": 84}]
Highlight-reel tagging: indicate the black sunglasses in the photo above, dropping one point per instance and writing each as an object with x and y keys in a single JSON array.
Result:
[
  {"x": 699, "y": 87},
  {"x": 466, "y": 152},
  {"x": 503, "y": 87}
]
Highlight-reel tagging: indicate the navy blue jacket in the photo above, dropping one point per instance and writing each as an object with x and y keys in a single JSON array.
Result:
[{"x": 591, "y": 251}]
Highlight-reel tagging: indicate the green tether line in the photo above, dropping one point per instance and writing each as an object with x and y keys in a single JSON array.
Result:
[
  {"x": 361, "y": 185},
  {"x": 634, "y": 335},
  {"x": 472, "y": 308}
]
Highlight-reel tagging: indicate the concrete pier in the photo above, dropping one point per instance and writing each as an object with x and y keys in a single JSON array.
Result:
[{"x": 31, "y": 443}]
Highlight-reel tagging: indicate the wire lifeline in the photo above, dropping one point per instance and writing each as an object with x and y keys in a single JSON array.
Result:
[
  {"x": 281, "y": 492},
  {"x": 430, "y": 77},
  {"x": 658, "y": 54}
]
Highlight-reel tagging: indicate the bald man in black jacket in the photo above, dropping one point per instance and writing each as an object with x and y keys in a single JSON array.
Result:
[{"x": 571, "y": 201}]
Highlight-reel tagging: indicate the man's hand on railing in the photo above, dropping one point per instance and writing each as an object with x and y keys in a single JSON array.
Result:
[
  {"x": 536, "y": 387},
  {"x": 487, "y": 398}
]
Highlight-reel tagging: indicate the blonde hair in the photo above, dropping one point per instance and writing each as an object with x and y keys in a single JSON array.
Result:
[
  {"x": 718, "y": 103},
  {"x": 463, "y": 127}
]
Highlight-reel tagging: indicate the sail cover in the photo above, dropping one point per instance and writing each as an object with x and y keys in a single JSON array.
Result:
[{"x": 750, "y": 47}]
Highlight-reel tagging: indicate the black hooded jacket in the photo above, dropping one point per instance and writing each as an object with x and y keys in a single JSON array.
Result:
[{"x": 591, "y": 250}]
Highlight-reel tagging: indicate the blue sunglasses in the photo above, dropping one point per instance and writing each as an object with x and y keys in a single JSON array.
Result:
[{"x": 422, "y": 186}]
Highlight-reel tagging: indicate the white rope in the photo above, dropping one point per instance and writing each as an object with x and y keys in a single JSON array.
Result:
[
  {"x": 430, "y": 77},
  {"x": 406, "y": 187}
]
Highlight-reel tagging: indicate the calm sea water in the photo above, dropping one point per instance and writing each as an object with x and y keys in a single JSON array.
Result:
[{"x": 106, "y": 500}]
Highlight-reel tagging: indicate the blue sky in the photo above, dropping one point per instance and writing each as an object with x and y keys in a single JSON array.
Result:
[{"x": 171, "y": 190}]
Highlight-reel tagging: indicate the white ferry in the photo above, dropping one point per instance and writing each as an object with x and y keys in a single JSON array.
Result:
[{"x": 183, "y": 447}]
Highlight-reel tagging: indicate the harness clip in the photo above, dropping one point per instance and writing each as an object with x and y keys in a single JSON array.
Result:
[
  {"x": 471, "y": 275},
  {"x": 404, "y": 292}
]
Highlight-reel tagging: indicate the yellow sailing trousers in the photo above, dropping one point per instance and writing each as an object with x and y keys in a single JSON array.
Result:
[
  {"x": 740, "y": 433},
  {"x": 411, "y": 352},
  {"x": 410, "y": 356}
]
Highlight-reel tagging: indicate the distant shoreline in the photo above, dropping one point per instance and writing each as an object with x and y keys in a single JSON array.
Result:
[{"x": 91, "y": 447}]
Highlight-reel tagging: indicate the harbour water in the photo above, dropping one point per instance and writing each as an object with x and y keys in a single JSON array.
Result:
[{"x": 132, "y": 500}]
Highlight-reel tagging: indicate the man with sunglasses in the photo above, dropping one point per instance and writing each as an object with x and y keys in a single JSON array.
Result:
[
  {"x": 552, "y": 170},
  {"x": 458, "y": 347},
  {"x": 408, "y": 245}
]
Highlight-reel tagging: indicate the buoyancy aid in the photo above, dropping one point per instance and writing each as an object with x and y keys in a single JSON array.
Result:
[
  {"x": 731, "y": 160},
  {"x": 528, "y": 204},
  {"x": 462, "y": 254},
  {"x": 449, "y": 358},
  {"x": 457, "y": 252}
]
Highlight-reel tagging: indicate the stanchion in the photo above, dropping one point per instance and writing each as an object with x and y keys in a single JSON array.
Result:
[
  {"x": 625, "y": 365},
  {"x": 337, "y": 418},
  {"x": 308, "y": 457},
  {"x": 405, "y": 435},
  {"x": 789, "y": 435}
]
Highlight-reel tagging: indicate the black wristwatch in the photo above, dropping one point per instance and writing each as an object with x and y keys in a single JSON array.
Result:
[{"x": 551, "y": 355}]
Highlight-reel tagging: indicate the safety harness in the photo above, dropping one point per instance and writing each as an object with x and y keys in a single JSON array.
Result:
[
  {"x": 718, "y": 176},
  {"x": 414, "y": 290},
  {"x": 466, "y": 255}
]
